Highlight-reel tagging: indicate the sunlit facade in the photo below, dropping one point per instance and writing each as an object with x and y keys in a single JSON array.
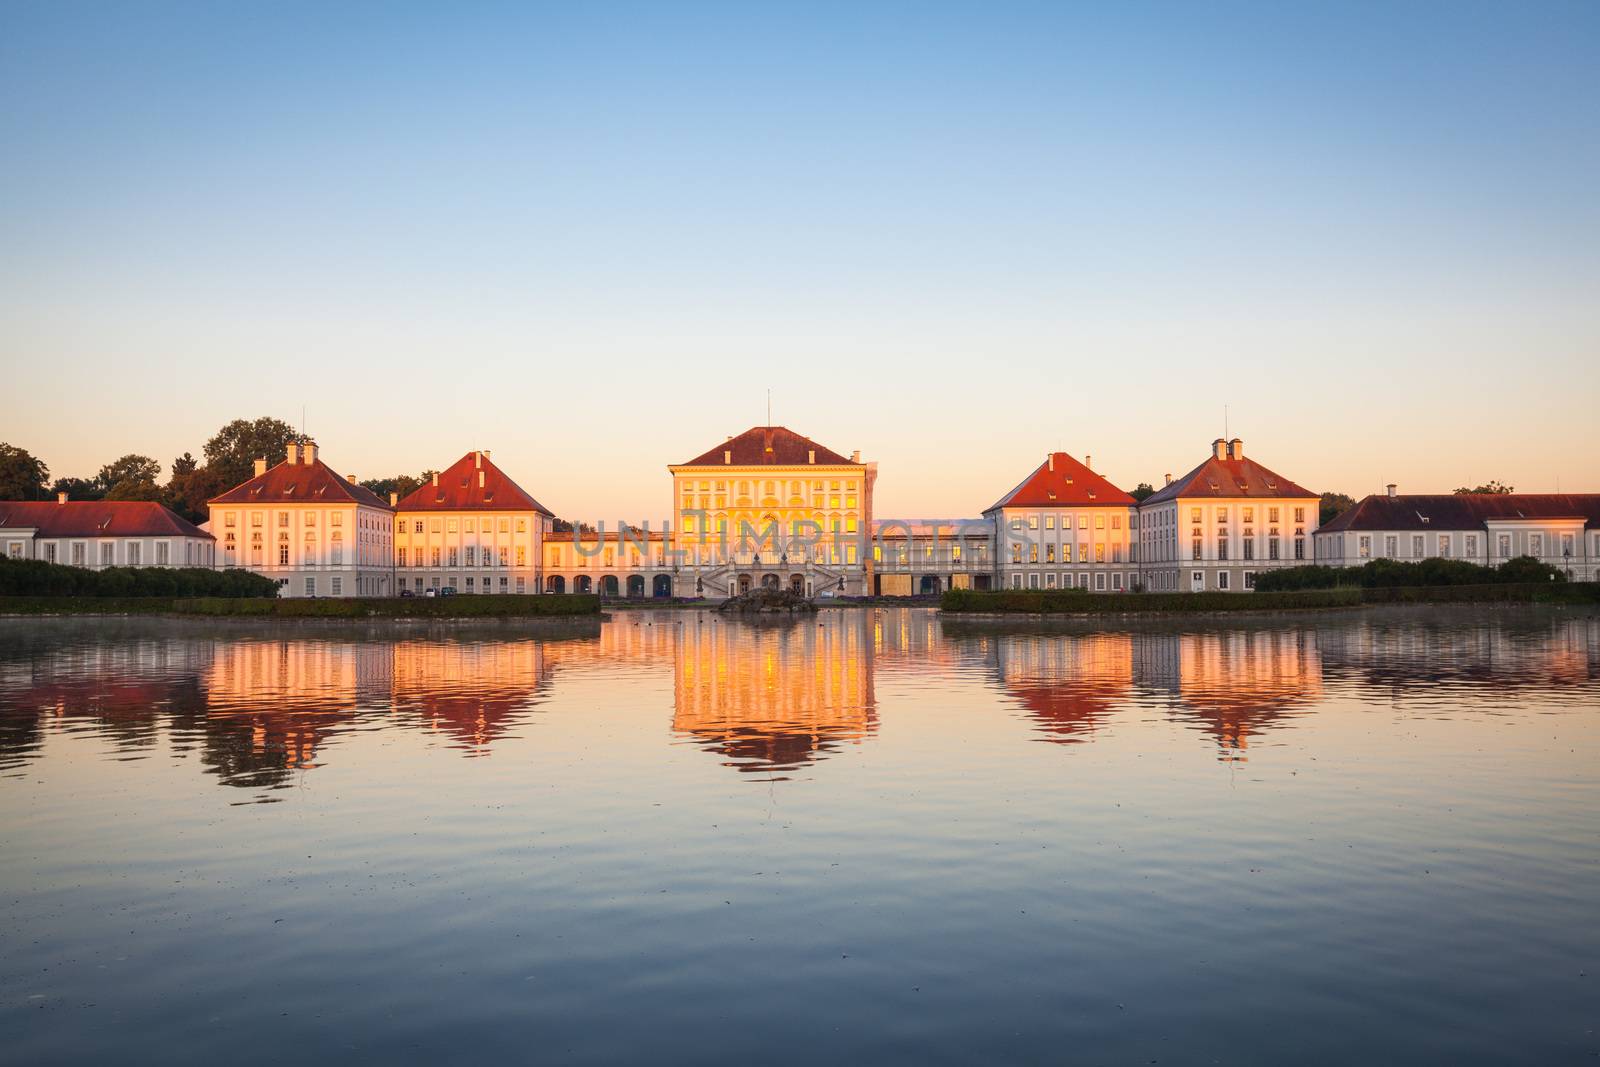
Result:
[
  {"x": 774, "y": 509},
  {"x": 1065, "y": 527},
  {"x": 1223, "y": 523},
  {"x": 472, "y": 529},
  {"x": 315, "y": 533}
]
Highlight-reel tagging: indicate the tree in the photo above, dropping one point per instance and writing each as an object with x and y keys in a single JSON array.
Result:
[
  {"x": 79, "y": 488},
  {"x": 133, "y": 477},
  {"x": 22, "y": 477},
  {"x": 1333, "y": 505},
  {"x": 1494, "y": 488},
  {"x": 1142, "y": 491},
  {"x": 232, "y": 453},
  {"x": 401, "y": 484},
  {"x": 191, "y": 486}
]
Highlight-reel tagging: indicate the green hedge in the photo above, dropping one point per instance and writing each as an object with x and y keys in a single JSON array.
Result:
[
  {"x": 1393, "y": 573},
  {"x": 33, "y": 577},
  {"x": 1063, "y": 602},
  {"x": 453, "y": 607}
]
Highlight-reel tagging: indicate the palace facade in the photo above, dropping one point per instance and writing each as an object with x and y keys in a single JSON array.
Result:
[
  {"x": 102, "y": 533},
  {"x": 314, "y": 532},
  {"x": 771, "y": 508},
  {"x": 1217, "y": 527},
  {"x": 470, "y": 528},
  {"x": 1561, "y": 529}
]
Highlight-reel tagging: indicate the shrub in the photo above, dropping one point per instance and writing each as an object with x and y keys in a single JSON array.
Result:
[
  {"x": 1393, "y": 573},
  {"x": 33, "y": 577}
]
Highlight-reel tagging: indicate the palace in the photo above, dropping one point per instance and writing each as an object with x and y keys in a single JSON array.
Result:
[
  {"x": 772, "y": 509},
  {"x": 302, "y": 524},
  {"x": 1561, "y": 529},
  {"x": 471, "y": 528},
  {"x": 102, "y": 533}
]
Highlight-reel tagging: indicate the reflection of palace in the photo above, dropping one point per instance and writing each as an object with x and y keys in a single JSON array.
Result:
[
  {"x": 774, "y": 697},
  {"x": 1235, "y": 683},
  {"x": 1068, "y": 685}
]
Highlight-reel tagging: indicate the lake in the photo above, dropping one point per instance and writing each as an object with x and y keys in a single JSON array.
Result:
[{"x": 872, "y": 834}]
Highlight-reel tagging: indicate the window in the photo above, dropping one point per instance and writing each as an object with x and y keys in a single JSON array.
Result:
[
  {"x": 311, "y": 587},
  {"x": 1472, "y": 544},
  {"x": 416, "y": 527},
  {"x": 400, "y": 557},
  {"x": 1100, "y": 553},
  {"x": 1505, "y": 546},
  {"x": 1249, "y": 579},
  {"x": 1417, "y": 549},
  {"x": 1049, "y": 553},
  {"x": 108, "y": 553},
  {"x": 338, "y": 586},
  {"x": 1049, "y": 522},
  {"x": 228, "y": 519},
  {"x": 1391, "y": 546},
  {"x": 471, "y": 556},
  {"x": 522, "y": 585},
  {"x": 1272, "y": 548},
  {"x": 1364, "y": 546},
  {"x": 469, "y": 583},
  {"x": 1299, "y": 548},
  {"x": 1033, "y": 581},
  {"x": 1100, "y": 581},
  {"x": 1566, "y": 545},
  {"x": 1536, "y": 545},
  {"x": 1099, "y": 522},
  {"x": 1222, "y": 580},
  {"x": 455, "y": 554},
  {"x": 1272, "y": 514},
  {"x": 77, "y": 553},
  {"x": 1194, "y": 516},
  {"x": 133, "y": 553},
  {"x": 1444, "y": 546},
  {"x": 522, "y": 560},
  {"x": 283, "y": 554},
  {"x": 1222, "y": 547},
  {"x": 336, "y": 519},
  {"x": 1116, "y": 581},
  {"x": 436, "y": 557},
  {"x": 1033, "y": 553},
  {"x": 450, "y": 526},
  {"x": 504, "y": 555},
  {"x": 1249, "y": 548},
  {"x": 1197, "y": 548},
  {"x": 283, "y": 518}
]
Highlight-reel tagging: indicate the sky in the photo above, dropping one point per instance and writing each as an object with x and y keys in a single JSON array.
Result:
[{"x": 592, "y": 237}]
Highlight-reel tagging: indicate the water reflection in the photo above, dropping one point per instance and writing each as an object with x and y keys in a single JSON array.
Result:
[
  {"x": 257, "y": 707},
  {"x": 774, "y": 697}
]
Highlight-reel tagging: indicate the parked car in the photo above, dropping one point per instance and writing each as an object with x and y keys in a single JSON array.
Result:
[
  {"x": 407, "y": 592},
  {"x": 448, "y": 590},
  {"x": 431, "y": 592}
]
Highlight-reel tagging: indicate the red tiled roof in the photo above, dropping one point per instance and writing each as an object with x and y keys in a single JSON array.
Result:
[
  {"x": 1462, "y": 511},
  {"x": 97, "y": 518},
  {"x": 776, "y": 446},
  {"x": 1061, "y": 481},
  {"x": 1224, "y": 478},
  {"x": 299, "y": 483},
  {"x": 460, "y": 488}
]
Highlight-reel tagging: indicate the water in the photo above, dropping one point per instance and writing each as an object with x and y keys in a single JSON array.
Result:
[{"x": 872, "y": 835}]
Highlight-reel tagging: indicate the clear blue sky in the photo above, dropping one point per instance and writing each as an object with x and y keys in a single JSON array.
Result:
[{"x": 591, "y": 236}]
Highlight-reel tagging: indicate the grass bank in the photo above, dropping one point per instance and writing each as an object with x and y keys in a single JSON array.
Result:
[
  {"x": 1063, "y": 602},
  {"x": 450, "y": 607}
]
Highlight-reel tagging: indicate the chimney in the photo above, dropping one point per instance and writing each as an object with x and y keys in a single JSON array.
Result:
[
  {"x": 1219, "y": 449},
  {"x": 727, "y": 456},
  {"x": 261, "y": 464},
  {"x": 1088, "y": 461},
  {"x": 855, "y": 457},
  {"x": 480, "y": 479},
  {"x": 1052, "y": 461},
  {"x": 436, "y": 478},
  {"x": 477, "y": 460},
  {"x": 61, "y": 498},
  {"x": 394, "y": 499},
  {"x": 308, "y": 452},
  {"x": 1169, "y": 479},
  {"x": 1391, "y": 487},
  {"x": 1236, "y": 449},
  {"x": 294, "y": 452},
  {"x": 811, "y": 456},
  {"x": 351, "y": 478}
]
